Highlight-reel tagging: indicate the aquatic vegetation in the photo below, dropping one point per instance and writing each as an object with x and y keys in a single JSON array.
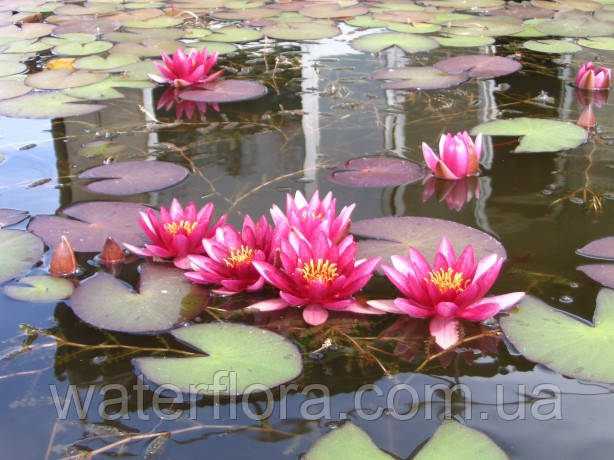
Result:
[
  {"x": 230, "y": 255},
  {"x": 177, "y": 232},
  {"x": 448, "y": 290},
  {"x": 591, "y": 78},
  {"x": 183, "y": 70},
  {"x": 183, "y": 108},
  {"x": 459, "y": 156}
]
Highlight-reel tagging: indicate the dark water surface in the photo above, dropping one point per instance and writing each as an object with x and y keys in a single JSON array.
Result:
[{"x": 324, "y": 111}]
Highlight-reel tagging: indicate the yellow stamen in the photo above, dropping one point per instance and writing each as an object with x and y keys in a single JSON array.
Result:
[
  {"x": 245, "y": 255},
  {"x": 312, "y": 214},
  {"x": 323, "y": 270},
  {"x": 447, "y": 279},
  {"x": 174, "y": 227}
]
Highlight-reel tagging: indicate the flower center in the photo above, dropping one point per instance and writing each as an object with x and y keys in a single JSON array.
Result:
[
  {"x": 245, "y": 255},
  {"x": 447, "y": 279},
  {"x": 322, "y": 270},
  {"x": 312, "y": 214},
  {"x": 175, "y": 227}
]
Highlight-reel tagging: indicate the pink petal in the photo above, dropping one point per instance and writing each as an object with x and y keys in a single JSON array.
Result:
[
  {"x": 429, "y": 157},
  {"x": 268, "y": 305},
  {"x": 385, "y": 305},
  {"x": 355, "y": 307},
  {"x": 412, "y": 309},
  {"x": 182, "y": 262},
  {"x": 504, "y": 301},
  {"x": 139, "y": 251},
  {"x": 480, "y": 312},
  {"x": 314, "y": 314},
  {"x": 445, "y": 331}
]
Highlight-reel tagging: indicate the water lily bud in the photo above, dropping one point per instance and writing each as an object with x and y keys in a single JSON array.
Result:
[
  {"x": 63, "y": 262},
  {"x": 112, "y": 252}
]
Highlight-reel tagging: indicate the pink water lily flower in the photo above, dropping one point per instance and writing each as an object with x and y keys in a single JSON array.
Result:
[
  {"x": 230, "y": 256},
  {"x": 590, "y": 78},
  {"x": 177, "y": 233},
  {"x": 183, "y": 70},
  {"x": 452, "y": 289},
  {"x": 459, "y": 156},
  {"x": 318, "y": 275},
  {"x": 314, "y": 216}
]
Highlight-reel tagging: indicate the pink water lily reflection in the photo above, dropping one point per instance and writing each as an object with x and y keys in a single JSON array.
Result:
[
  {"x": 171, "y": 98},
  {"x": 449, "y": 290},
  {"x": 230, "y": 257},
  {"x": 183, "y": 70},
  {"x": 177, "y": 233},
  {"x": 459, "y": 156},
  {"x": 318, "y": 275},
  {"x": 455, "y": 193}
]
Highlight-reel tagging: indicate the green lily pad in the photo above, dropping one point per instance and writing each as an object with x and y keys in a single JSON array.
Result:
[
  {"x": 11, "y": 68},
  {"x": 19, "y": 252},
  {"x": 100, "y": 63},
  {"x": 101, "y": 148},
  {"x": 12, "y": 88},
  {"x": 485, "y": 26},
  {"x": 420, "y": 28},
  {"x": 46, "y": 105},
  {"x": 138, "y": 70},
  {"x": 197, "y": 33},
  {"x": 62, "y": 79},
  {"x": 220, "y": 47},
  {"x": 333, "y": 10},
  {"x": 26, "y": 46},
  {"x": 69, "y": 38},
  {"x": 367, "y": 21},
  {"x": 537, "y": 135},
  {"x": 253, "y": 355},
  {"x": 234, "y": 35},
  {"x": 40, "y": 288},
  {"x": 454, "y": 441},
  {"x": 105, "y": 89},
  {"x": 447, "y": 18},
  {"x": 529, "y": 30},
  {"x": 346, "y": 442},
  {"x": 409, "y": 43},
  {"x": 149, "y": 47},
  {"x": 576, "y": 25},
  {"x": 418, "y": 78},
  {"x": 551, "y": 46},
  {"x": 567, "y": 345},
  {"x": 301, "y": 31},
  {"x": 91, "y": 9},
  {"x": 560, "y": 5},
  {"x": 247, "y": 13},
  {"x": 165, "y": 298},
  {"x": 464, "y": 42},
  {"x": 598, "y": 43},
  {"x": 78, "y": 49},
  {"x": 160, "y": 21}
]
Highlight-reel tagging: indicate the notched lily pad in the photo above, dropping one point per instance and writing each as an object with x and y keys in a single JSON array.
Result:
[
  {"x": 226, "y": 91},
  {"x": 346, "y": 442},
  {"x": 479, "y": 65},
  {"x": 132, "y": 177},
  {"x": 537, "y": 135},
  {"x": 254, "y": 356},
  {"x": 165, "y": 298},
  {"x": 46, "y": 105},
  {"x": 40, "y": 288},
  {"x": 376, "y": 171},
  {"x": 109, "y": 63},
  {"x": 407, "y": 42}
]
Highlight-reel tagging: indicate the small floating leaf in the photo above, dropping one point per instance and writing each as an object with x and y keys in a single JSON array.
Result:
[
  {"x": 91, "y": 224},
  {"x": 551, "y": 46},
  {"x": 19, "y": 252},
  {"x": 537, "y": 135},
  {"x": 45, "y": 105},
  {"x": 346, "y": 442},
  {"x": 567, "y": 345},
  {"x": 132, "y": 177},
  {"x": 479, "y": 65},
  {"x": 253, "y": 355},
  {"x": 40, "y": 289},
  {"x": 226, "y": 91},
  {"x": 164, "y": 299},
  {"x": 395, "y": 235},
  {"x": 376, "y": 171}
]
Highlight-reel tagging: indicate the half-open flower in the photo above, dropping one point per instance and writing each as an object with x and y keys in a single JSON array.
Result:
[
  {"x": 452, "y": 289},
  {"x": 318, "y": 275},
  {"x": 314, "y": 216},
  {"x": 183, "y": 70},
  {"x": 177, "y": 233},
  {"x": 230, "y": 256},
  {"x": 593, "y": 79},
  {"x": 459, "y": 156}
]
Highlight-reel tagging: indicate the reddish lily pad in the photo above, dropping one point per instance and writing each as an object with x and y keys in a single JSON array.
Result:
[
  {"x": 87, "y": 26},
  {"x": 132, "y": 177},
  {"x": 602, "y": 273},
  {"x": 19, "y": 251},
  {"x": 395, "y": 235},
  {"x": 12, "y": 88},
  {"x": 26, "y": 31},
  {"x": 46, "y": 105},
  {"x": 10, "y": 217},
  {"x": 602, "y": 248},
  {"x": 376, "y": 171},
  {"x": 63, "y": 78},
  {"x": 420, "y": 78},
  {"x": 479, "y": 65},
  {"x": 165, "y": 298},
  {"x": 226, "y": 91},
  {"x": 91, "y": 224}
]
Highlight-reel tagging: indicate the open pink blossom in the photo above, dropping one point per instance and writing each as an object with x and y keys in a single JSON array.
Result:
[
  {"x": 171, "y": 97},
  {"x": 459, "y": 156},
  {"x": 230, "y": 256},
  {"x": 183, "y": 70},
  {"x": 314, "y": 216},
  {"x": 590, "y": 78},
  {"x": 452, "y": 289},
  {"x": 177, "y": 233},
  {"x": 318, "y": 275}
]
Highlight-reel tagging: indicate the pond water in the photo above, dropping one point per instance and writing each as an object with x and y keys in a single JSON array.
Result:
[{"x": 321, "y": 110}]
